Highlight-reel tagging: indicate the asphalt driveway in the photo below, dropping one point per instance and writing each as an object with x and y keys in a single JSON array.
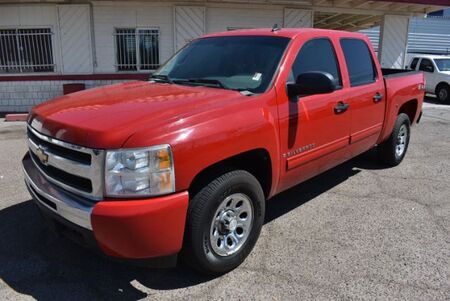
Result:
[{"x": 359, "y": 231}]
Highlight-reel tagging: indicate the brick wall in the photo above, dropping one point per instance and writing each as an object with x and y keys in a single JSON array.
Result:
[{"x": 21, "y": 96}]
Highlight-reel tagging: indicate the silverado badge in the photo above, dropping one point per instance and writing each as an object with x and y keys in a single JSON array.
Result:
[{"x": 42, "y": 156}]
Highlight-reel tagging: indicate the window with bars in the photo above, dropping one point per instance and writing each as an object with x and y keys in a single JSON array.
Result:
[
  {"x": 26, "y": 50},
  {"x": 137, "y": 49}
]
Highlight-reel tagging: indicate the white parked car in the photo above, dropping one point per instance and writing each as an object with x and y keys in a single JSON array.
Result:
[{"x": 437, "y": 74}]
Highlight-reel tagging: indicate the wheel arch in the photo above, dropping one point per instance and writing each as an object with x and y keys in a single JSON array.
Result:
[
  {"x": 256, "y": 161},
  {"x": 410, "y": 108}
]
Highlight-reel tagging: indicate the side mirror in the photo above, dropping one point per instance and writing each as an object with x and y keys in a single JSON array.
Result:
[
  {"x": 310, "y": 83},
  {"x": 429, "y": 68}
]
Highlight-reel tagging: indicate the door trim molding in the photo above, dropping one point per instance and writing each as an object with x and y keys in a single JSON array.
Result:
[
  {"x": 366, "y": 133},
  {"x": 316, "y": 153}
]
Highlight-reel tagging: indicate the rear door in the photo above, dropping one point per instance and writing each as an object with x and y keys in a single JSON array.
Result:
[
  {"x": 365, "y": 95},
  {"x": 313, "y": 136}
]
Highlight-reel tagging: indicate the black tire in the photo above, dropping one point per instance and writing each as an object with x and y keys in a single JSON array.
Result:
[
  {"x": 443, "y": 93},
  {"x": 387, "y": 150},
  {"x": 197, "y": 250}
]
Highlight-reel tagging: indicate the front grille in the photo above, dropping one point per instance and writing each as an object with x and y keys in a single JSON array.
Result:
[
  {"x": 74, "y": 168},
  {"x": 61, "y": 151},
  {"x": 64, "y": 177}
]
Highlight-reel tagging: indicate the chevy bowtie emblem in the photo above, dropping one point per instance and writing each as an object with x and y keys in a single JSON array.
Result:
[{"x": 43, "y": 157}]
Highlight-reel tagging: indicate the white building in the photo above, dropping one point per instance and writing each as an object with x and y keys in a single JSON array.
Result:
[
  {"x": 430, "y": 35},
  {"x": 46, "y": 44}
]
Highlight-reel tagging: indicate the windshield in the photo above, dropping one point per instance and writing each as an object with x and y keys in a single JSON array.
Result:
[
  {"x": 443, "y": 64},
  {"x": 244, "y": 63}
]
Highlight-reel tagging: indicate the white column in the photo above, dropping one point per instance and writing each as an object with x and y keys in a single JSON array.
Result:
[{"x": 393, "y": 45}]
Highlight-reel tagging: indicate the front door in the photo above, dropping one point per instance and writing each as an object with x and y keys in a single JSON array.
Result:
[{"x": 314, "y": 135}]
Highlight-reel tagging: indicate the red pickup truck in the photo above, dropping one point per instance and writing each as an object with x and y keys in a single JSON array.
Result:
[{"x": 183, "y": 163}]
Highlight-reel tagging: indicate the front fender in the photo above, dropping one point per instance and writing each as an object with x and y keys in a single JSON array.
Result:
[{"x": 201, "y": 140}]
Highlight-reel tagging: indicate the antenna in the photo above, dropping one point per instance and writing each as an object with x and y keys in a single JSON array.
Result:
[{"x": 275, "y": 27}]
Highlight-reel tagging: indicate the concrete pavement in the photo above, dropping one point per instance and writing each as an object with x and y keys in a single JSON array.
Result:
[{"x": 359, "y": 231}]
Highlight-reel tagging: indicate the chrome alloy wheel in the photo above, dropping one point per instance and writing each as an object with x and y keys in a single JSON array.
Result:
[
  {"x": 231, "y": 225},
  {"x": 401, "y": 141}
]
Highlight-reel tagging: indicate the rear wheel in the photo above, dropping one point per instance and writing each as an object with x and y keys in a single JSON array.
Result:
[
  {"x": 443, "y": 93},
  {"x": 393, "y": 150},
  {"x": 224, "y": 221}
]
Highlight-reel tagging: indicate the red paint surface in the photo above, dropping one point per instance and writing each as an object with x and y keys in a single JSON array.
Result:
[
  {"x": 206, "y": 125},
  {"x": 16, "y": 117},
  {"x": 138, "y": 229},
  {"x": 72, "y": 88}
]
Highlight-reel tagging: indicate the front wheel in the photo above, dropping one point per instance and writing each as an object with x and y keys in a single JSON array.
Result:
[
  {"x": 224, "y": 222},
  {"x": 393, "y": 150}
]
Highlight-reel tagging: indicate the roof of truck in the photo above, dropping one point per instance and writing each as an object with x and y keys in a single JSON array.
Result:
[{"x": 284, "y": 32}]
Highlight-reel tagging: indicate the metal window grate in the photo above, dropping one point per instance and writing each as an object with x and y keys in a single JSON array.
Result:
[
  {"x": 137, "y": 49},
  {"x": 26, "y": 50}
]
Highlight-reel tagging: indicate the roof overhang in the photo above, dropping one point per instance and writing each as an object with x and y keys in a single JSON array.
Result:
[
  {"x": 355, "y": 15},
  {"x": 330, "y": 14}
]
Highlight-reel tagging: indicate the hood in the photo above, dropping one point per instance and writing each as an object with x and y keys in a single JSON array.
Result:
[
  {"x": 106, "y": 117},
  {"x": 446, "y": 73}
]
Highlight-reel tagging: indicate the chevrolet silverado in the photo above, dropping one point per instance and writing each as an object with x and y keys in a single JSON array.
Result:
[{"x": 183, "y": 164}]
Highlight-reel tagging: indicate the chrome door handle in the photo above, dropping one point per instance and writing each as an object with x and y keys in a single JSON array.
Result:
[
  {"x": 341, "y": 107},
  {"x": 377, "y": 97}
]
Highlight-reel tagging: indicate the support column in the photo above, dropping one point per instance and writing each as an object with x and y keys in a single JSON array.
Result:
[{"x": 393, "y": 44}]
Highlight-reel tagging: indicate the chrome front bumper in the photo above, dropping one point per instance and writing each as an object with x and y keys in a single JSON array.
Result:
[{"x": 71, "y": 207}]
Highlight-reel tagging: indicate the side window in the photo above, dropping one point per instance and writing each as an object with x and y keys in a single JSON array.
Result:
[
  {"x": 360, "y": 65},
  {"x": 316, "y": 55},
  {"x": 426, "y": 65},
  {"x": 414, "y": 63}
]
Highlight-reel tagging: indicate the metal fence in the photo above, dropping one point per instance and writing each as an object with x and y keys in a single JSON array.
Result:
[
  {"x": 137, "y": 49},
  {"x": 26, "y": 50}
]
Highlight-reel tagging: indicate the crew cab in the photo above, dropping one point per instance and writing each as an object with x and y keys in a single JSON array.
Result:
[
  {"x": 436, "y": 69},
  {"x": 183, "y": 164}
]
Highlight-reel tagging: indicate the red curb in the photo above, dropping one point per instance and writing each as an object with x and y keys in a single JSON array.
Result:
[{"x": 16, "y": 117}]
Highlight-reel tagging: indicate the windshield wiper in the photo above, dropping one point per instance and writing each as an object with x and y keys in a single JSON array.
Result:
[
  {"x": 210, "y": 83},
  {"x": 161, "y": 78},
  {"x": 201, "y": 81}
]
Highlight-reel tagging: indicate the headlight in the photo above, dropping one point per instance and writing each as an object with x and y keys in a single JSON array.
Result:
[{"x": 139, "y": 172}]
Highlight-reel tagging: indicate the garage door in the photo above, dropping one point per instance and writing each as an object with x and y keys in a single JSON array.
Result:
[
  {"x": 221, "y": 19},
  {"x": 76, "y": 49},
  {"x": 298, "y": 18},
  {"x": 189, "y": 24}
]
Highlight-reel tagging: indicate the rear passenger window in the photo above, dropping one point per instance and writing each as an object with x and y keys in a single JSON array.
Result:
[
  {"x": 360, "y": 65},
  {"x": 414, "y": 63},
  {"x": 316, "y": 55}
]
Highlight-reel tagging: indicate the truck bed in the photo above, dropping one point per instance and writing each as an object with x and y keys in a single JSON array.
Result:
[
  {"x": 388, "y": 72},
  {"x": 401, "y": 86}
]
